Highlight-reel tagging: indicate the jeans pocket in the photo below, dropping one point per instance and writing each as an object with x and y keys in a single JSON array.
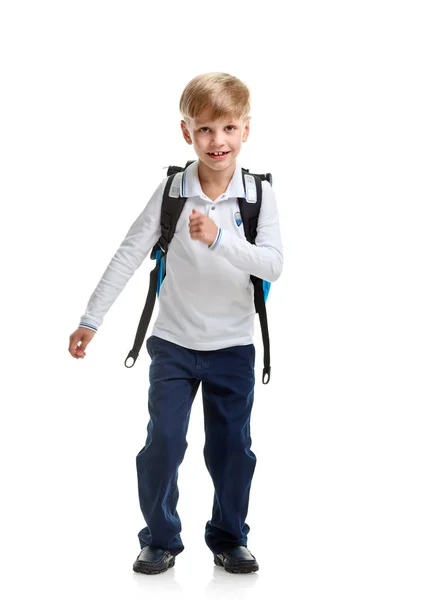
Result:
[
  {"x": 252, "y": 353},
  {"x": 148, "y": 345}
]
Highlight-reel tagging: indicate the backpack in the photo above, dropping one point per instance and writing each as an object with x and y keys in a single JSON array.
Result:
[{"x": 171, "y": 209}]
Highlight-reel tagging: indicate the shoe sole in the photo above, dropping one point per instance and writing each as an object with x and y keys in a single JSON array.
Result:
[
  {"x": 251, "y": 569},
  {"x": 151, "y": 571}
]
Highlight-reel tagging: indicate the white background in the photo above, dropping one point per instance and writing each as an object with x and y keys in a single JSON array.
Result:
[{"x": 89, "y": 118}]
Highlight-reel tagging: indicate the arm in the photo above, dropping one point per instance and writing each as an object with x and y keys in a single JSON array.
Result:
[
  {"x": 137, "y": 243},
  {"x": 263, "y": 259}
]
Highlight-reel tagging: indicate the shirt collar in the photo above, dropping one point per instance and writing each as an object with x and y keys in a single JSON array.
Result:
[{"x": 190, "y": 185}]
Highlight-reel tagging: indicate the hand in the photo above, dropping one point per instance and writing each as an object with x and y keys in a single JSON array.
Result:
[
  {"x": 82, "y": 335},
  {"x": 202, "y": 228}
]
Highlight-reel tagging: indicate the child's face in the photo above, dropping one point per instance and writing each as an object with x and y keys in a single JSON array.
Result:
[{"x": 224, "y": 135}]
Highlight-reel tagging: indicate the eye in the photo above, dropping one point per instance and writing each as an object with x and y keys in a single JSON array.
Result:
[{"x": 229, "y": 127}]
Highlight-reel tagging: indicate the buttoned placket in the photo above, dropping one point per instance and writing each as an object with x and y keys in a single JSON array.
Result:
[{"x": 212, "y": 203}]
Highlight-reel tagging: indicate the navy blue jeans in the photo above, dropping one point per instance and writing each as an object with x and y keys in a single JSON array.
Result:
[{"x": 228, "y": 380}]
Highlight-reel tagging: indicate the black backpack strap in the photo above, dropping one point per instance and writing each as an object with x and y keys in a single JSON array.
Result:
[
  {"x": 171, "y": 209},
  {"x": 173, "y": 169},
  {"x": 250, "y": 214}
]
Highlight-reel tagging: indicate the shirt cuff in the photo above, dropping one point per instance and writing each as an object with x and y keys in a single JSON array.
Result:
[
  {"x": 88, "y": 326},
  {"x": 217, "y": 239}
]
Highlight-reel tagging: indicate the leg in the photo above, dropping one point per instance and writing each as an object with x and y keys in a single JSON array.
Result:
[
  {"x": 171, "y": 394},
  {"x": 228, "y": 395}
]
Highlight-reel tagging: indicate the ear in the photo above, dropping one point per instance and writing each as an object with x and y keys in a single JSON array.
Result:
[
  {"x": 246, "y": 130},
  {"x": 185, "y": 132}
]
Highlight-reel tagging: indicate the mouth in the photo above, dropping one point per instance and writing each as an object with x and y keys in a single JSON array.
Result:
[{"x": 218, "y": 155}]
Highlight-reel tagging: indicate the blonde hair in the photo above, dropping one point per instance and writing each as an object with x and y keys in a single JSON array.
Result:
[{"x": 224, "y": 94}]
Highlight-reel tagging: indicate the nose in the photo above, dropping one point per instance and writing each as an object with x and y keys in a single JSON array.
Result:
[{"x": 217, "y": 139}]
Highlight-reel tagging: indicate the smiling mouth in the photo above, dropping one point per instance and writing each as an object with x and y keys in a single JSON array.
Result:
[{"x": 217, "y": 153}]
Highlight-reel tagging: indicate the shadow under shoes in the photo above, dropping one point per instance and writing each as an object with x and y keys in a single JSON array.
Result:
[
  {"x": 151, "y": 561},
  {"x": 237, "y": 560}
]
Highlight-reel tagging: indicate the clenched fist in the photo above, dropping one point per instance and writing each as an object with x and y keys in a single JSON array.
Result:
[{"x": 202, "y": 228}]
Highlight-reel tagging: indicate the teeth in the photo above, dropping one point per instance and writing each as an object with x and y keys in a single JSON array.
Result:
[{"x": 217, "y": 153}]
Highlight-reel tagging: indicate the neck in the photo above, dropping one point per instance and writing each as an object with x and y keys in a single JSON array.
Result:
[{"x": 218, "y": 179}]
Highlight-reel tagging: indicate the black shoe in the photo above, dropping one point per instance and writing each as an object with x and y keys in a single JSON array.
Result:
[
  {"x": 153, "y": 560},
  {"x": 237, "y": 560}
]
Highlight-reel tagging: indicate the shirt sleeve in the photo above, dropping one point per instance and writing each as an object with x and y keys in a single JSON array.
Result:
[
  {"x": 138, "y": 242},
  {"x": 264, "y": 259}
]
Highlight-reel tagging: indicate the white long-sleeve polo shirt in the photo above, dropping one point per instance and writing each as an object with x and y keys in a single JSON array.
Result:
[{"x": 206, "y": 299}]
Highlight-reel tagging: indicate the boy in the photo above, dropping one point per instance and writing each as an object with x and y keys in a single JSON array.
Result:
[{"x": 204, "y": 329}]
